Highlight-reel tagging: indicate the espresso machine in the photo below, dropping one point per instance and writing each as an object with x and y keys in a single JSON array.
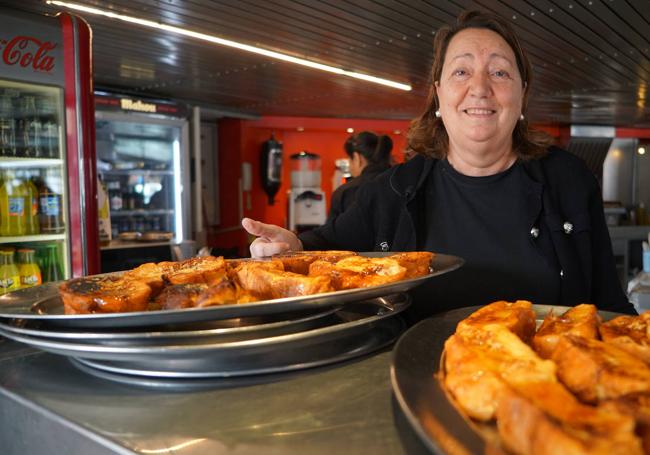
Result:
[{"x": 305, "y": 200}]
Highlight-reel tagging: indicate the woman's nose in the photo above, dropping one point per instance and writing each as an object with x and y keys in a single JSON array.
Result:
[{"x": 480, "y": 85}]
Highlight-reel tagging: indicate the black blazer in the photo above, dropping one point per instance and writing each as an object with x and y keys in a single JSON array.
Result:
[
  {"x": 565, "y": 205},
  {"x": 344, "y": 195}
]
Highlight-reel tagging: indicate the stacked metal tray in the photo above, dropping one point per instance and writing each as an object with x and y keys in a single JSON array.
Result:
[{"x": 218, "y": 342}]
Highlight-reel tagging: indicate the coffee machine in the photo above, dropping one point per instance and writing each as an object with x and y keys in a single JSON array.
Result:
[{"x": 305, "y": 200}]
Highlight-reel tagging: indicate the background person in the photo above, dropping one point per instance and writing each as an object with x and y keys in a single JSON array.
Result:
[
  {"x": 369, "y": 156},
  {"x": 527, "y": 217}
]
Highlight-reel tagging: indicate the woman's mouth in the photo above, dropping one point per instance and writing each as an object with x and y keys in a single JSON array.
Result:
[{"x": 481, "y": 112}]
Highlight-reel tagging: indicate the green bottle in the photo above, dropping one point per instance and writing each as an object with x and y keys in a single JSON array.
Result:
[{"x": 51, "y": 269}]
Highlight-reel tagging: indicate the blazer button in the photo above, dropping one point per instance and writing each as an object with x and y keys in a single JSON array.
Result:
[
  {"x": 568, "y": 227},
  {"x": 534, "y": 232}
]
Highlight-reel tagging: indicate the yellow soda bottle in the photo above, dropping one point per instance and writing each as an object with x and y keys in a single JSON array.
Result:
[
  {"x": 9, "y": 275},
  {"x": 13, "y": 206},
  {"x": 30, "y": 273}
]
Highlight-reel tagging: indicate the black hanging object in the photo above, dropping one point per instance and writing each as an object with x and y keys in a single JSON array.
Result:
[{"x": 271, "y": 167}]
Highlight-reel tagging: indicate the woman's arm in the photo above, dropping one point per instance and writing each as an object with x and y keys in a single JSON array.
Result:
[{"x": 352, "y": 229}]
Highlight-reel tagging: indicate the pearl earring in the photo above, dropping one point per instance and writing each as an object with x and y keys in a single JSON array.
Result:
[
  {"x": 521, "y": 117},
  {"x": 438, "y": 114}
]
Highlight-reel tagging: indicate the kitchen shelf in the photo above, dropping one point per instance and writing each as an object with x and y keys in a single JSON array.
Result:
[
  {"x": 7, "y": 162},
  {"x": 142, "y": 212},
  {"x": 145, "y": 172},
  {"x": 33, "y": 238}
]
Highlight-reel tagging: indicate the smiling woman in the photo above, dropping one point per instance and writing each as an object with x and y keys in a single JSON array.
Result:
[
  {"x": 482, "y": 80},
  {"x": 526, "y": 217}
]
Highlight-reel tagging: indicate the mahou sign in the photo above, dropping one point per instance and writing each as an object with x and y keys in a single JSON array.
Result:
[{"x": 28, "y": 52}]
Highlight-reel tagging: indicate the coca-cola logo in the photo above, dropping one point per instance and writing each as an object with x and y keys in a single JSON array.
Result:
[{"x": 27, "y": 51}]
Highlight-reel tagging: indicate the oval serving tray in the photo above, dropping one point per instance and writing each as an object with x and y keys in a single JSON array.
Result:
[{"x": 42, "y": 303}]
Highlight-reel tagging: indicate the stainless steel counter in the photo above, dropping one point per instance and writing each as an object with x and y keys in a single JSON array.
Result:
[{"x": 49, "y": 406}]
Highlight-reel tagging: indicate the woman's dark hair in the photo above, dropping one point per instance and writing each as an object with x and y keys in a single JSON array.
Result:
[
  {"x": 375, "y": 149},
  {"x": 427, "y": 134}
]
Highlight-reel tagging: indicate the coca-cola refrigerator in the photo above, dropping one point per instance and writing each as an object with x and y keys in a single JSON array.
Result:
[{"x": 48, "y": 183}]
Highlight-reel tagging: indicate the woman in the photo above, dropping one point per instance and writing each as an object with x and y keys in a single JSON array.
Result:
[
  {"x": 527, "y": 218},
  {"x": 369, "y": 156}
]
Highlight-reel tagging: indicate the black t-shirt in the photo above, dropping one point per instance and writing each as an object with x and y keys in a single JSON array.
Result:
[{"x": 482, "y": 219}]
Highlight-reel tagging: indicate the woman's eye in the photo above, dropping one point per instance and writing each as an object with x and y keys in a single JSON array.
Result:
[
  {"x": 460, "y": 73},
  {"x": 500, "y": 73}
]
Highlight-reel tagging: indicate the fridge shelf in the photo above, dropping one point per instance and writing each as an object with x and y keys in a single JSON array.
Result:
[
  {"x": 144, "y": 172},
  {"x": 15, "y": 162},
  {"x": 33, "y": 238},
  {"x": 142, "y": 212}
]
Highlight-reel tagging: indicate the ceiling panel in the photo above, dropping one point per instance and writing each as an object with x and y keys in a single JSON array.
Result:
[{"x": 591, "y": 58}]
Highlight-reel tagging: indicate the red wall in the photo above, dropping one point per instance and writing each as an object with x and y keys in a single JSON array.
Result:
[{"x": 241, "y": 141}]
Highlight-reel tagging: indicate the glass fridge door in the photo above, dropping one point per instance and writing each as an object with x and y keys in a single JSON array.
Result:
[
  {"x": 139, "y": 160},
  {"x": 33, "y": 191}
]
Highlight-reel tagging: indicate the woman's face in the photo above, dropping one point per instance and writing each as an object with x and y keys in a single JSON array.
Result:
[{"x": 480, "y": 90}]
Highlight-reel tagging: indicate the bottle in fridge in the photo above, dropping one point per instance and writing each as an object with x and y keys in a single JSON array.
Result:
[
  {"x": 14, "y": 205},
  {"x": 7, "y": 127},
  {"x": 51, "y": 268},
  {"x": 50, "y": 210},
  {"x": 30, "y": 273},
  {"x": 9, "y": 274}
]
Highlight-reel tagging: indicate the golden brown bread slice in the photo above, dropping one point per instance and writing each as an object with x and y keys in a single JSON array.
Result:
[
  {"x": 481, "y": 361},
  {"x": 272, "y": 264},
  {"x": 178, "y": 296},
  {"x": 149, "y": 274},
  {"x": 596, "y": 371},
  {"x": 299, "y": 261},
  {"x": 226, "y": 292},
  {"x": 207, "y": 270},
  {"x": 527, "y": 428},
  {"x": 629, "y": 333},
  {"x": 107, "y": 294},
  {"x": 266, "y": 283},
  {"x": 518, "y": 317},
  {"x": 581, "y": 320},
  {"x": 636, "y": 405},
  {"x": 358, "y": 272},
  {"x": 416, "y": 263},
  {"x": 200, "y": 270}
]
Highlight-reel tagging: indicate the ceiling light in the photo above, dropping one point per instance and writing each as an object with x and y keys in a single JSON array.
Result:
[
  {"x": 229, "y": 43},
  {"x": 350, "y": 130},
  {"x": 641, "y": 150}
]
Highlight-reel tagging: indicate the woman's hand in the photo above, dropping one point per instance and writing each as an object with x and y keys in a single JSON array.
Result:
[{"x": 271, "y": 239}]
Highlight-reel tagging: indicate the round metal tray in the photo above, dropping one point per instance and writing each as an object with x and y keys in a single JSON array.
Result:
[
  {"x": 360, "y": 328},
  {"x": 422, "y": 397},
  {"x": 42, "y": 303},
  {"x": 196, "y": 332}
]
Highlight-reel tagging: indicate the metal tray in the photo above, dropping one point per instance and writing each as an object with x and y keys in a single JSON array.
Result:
[
  {"x": 361, "y": 328},
  {"x": 223, "y": 330},
  {"x": 42, "y": 303},
  {"x": 416, "y": 384}
]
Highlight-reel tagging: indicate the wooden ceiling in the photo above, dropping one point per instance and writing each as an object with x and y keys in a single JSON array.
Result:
[{"x": 591, "y": 58}]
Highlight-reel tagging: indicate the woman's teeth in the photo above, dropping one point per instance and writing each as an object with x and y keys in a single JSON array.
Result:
[{"x": 479, "y": 111}]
